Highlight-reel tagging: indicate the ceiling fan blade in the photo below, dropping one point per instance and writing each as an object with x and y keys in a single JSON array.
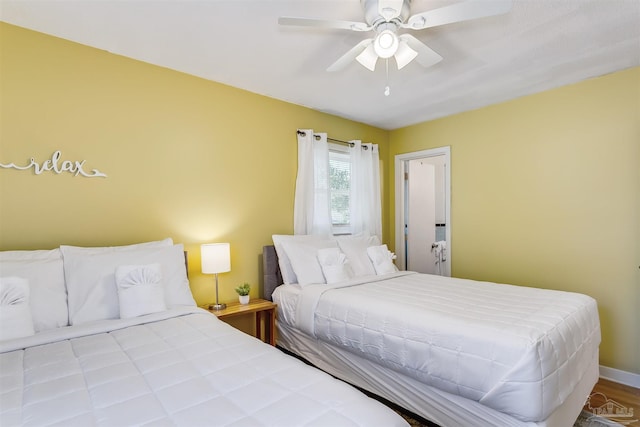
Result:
[
  {"x": 348, "y": 57},
  {"x": 324, "y": 23},
  {"x": 426, "y": 56},
  {"x": 368, "y": 58},
  {"x": 404, "y": 54},
  {"x": 471, "y": 9}
]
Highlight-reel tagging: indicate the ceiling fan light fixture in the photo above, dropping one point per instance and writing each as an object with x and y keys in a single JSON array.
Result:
[
  {"x": 404, "y": 55},
  {"x": 386, "y": 17},
  {"x": 386, "y": 44}
]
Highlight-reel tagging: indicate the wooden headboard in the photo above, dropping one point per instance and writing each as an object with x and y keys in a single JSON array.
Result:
[{"x": 271, "y": 270}]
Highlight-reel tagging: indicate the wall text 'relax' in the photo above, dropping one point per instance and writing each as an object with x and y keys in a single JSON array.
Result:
[{"x": 55, "y": 165}]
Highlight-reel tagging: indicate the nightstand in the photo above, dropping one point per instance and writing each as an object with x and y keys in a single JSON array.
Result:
[{"x": 265, "y": 312}]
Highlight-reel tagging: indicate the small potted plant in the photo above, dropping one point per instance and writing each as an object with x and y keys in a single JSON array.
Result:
[{"x": 243, "y": 293}]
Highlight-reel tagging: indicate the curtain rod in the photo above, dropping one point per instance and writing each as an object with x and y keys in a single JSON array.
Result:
[{"x": 339, "y": 141}]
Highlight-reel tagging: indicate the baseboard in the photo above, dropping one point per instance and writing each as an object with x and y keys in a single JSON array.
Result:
[{"x": 619, "y": 376}]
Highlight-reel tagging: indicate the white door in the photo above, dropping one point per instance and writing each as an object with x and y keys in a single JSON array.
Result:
[{"x": 420, "y": 223}]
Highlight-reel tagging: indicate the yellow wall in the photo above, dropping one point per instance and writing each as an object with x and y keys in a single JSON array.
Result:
[
  {"x": 545, "y": 188},
  {"x": 546, "y": 193},
  {"x": 186, "y": 158}
]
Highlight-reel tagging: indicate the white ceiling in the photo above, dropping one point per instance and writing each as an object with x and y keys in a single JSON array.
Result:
[{"x": 538, "y": 45}]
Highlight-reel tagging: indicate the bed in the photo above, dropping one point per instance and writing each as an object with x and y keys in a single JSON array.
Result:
[
  {"x": 456, "y": 352},
  {"x": 112, "y": 336}
]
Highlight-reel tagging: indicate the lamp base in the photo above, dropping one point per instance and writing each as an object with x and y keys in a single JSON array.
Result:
[{"x": 217, "y": 307}]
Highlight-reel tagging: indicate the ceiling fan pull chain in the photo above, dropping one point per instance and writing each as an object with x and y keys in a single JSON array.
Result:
[{"x": 387, "y": 90}]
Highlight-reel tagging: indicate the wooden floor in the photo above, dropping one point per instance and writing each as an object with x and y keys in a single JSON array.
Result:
[{"x": 624, "y": 395}]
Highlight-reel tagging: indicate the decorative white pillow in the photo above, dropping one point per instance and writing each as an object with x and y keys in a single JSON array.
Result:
[
  {"x": 304, "y": 260},
  {"x": 382, "y": 259},
  {"x": 286, "y": 269},
  {"x": 355, "y": 248},
  {"x": 15, "y": 313},
  {"x": 140, "y": 290},
  {"x": 43, "y": 269},
  {"x": 91, "y": 282},
  {"x": 334, "y": 264}
]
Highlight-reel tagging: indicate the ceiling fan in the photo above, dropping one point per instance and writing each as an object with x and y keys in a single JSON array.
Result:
[{"x": 386, "y": 17}]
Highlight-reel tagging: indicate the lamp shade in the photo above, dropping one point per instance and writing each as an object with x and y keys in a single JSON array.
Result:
[
  {"x": 405, "y": 54},
  {"x": 368, "y": 58},
  {"x": 216, "y": 258}
]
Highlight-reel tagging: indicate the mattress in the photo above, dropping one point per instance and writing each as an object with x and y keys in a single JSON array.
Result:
[
  {"x": 178, "y": 367},
  {"x": 519, "y": 351}
]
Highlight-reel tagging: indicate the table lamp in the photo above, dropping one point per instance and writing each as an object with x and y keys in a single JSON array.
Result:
[{"x": 216, "y": 259}]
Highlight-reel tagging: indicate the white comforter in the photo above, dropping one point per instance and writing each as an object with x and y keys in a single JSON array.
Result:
[
  {"x": 181, "y": 367},
  {"x": 518, "y": 350}
]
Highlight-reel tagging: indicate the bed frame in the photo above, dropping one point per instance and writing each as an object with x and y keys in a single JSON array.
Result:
[{"x": 408, "y": 393}]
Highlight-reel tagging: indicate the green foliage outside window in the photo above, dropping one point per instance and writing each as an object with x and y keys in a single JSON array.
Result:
[{"x": 339, "y": 185}]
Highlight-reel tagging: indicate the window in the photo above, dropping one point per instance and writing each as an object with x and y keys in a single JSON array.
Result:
[
  {"x": 340, "y": 188},
  {"x": 337, "y": 187}
]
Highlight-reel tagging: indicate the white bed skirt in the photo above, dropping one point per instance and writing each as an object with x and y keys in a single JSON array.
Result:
[{"x": 445, "y": 409}]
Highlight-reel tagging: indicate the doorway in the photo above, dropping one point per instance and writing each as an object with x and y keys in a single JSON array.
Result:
[{"x": 423, "y": 211}]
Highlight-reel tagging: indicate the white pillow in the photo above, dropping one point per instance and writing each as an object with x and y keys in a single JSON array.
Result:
[
  {"x": 355, "y": 248},
  {"x": 91, "y": 283},
  {"x": 43, "y": 269},
  {"x": 382, "y": 259},
  {"x": 286, "y": 269},
  {"x": 15, "y": 314},
  {"x": 81, "y": 250},
  {"x": 140, "y": 290},
  {"x": 334, "y": 264},
  {"x": 304, "y": 260}
]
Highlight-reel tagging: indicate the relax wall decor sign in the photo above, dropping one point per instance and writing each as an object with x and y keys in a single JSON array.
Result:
[{"x": 55, "y": 165}]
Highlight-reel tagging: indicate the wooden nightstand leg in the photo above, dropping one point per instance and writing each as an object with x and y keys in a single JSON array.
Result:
[
  {"x": 259, "y": 325},
  {"x": 271, "y": 334}
]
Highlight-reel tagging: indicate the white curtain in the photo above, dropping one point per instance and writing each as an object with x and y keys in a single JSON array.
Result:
[
  {"x": 366, "y": 206},
  {"x": 312, "y": 208}
]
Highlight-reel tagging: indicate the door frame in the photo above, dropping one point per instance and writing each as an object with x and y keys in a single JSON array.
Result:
[{"x": 399, "y": 166}]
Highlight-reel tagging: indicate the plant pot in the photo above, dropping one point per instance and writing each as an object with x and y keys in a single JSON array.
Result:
[{"x": 244, "y": 299}]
